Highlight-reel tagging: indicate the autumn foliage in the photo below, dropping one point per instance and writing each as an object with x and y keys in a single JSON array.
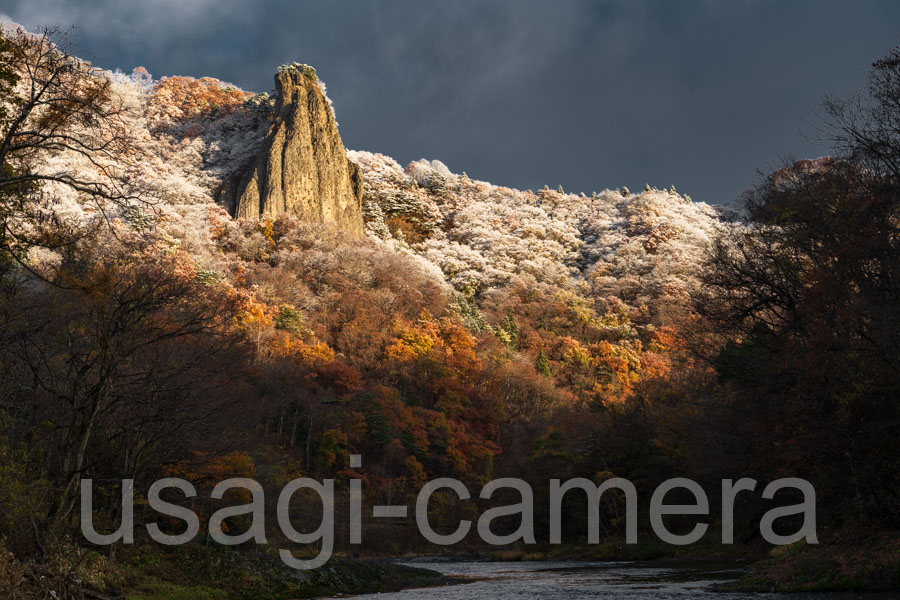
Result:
[
  {"x": 477, "y": 332},
  {"x": 180, "y": 98}
]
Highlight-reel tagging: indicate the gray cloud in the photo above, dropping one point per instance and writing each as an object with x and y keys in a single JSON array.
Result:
[{"x": 699, "y": 94}]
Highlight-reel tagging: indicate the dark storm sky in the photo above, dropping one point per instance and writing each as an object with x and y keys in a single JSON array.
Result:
[{"x": 590, "y": 95}]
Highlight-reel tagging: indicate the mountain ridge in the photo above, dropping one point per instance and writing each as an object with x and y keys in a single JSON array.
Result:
[{"x": 202, "y": 137}]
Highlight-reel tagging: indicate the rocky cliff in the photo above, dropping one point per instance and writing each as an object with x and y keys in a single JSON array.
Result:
[{"x": 302, "y": 167}]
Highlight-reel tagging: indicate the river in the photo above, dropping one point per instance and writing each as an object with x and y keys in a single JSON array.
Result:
[{"x": 565, "y": 580}]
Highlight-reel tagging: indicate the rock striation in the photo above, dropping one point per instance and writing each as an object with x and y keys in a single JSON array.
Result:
[{"x": 302, "y": 168}]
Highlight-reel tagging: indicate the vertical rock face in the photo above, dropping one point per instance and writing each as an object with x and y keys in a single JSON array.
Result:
[{"x": 302, "y": 167}]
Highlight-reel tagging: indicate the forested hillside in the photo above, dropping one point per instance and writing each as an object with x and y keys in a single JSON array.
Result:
[{"x": 475, "y": 332}]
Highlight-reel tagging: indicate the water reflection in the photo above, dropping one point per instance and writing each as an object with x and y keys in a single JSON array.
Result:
[{"x": 563, "y": 580}]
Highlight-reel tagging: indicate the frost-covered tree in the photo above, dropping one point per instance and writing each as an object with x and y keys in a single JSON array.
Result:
[
  {"x": 643, "y": 250},
  {"x": 66, "y": 148}
]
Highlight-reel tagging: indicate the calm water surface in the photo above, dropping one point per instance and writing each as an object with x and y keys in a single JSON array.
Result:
[{"x": 551, "y": 580}]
